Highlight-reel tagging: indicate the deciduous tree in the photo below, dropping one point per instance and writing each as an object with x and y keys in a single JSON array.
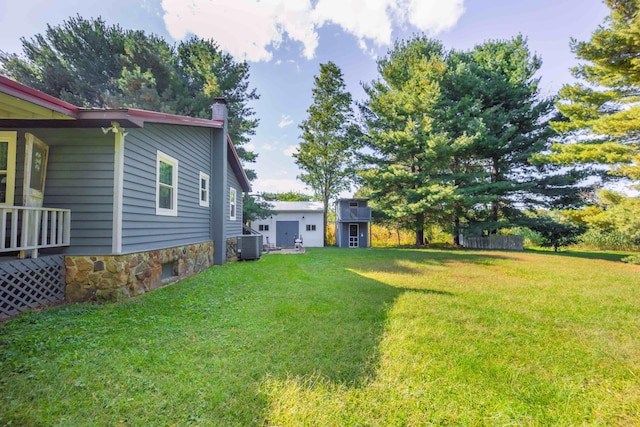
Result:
[
  {"x": 289, "y": 196},
  {"x": 327, "y": 149}
]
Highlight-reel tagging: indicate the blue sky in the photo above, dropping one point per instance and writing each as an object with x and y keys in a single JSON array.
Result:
[{"x": 285, "y": 41}]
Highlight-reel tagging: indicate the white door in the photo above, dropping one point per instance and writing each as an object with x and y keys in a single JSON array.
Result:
[
  {"x": 353, "y": 235},
  {"x": 36, "y": 155}
]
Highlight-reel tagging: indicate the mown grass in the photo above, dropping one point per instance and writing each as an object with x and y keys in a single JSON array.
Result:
[{"x": 337, "y": 337}]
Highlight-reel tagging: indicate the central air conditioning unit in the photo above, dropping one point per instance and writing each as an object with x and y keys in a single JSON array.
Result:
[{"x": 249, "y": 246}]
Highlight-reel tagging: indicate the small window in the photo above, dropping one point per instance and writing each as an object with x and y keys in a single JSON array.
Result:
[
  {"x": 169, "y": 270},
  {"x": 263, "y": 227},
  {"x": 311, "y": 227},
  {"x": 204, "y": 189},
  {"x": 166, "y": 185},
  {"x": 232, "y": 203}
]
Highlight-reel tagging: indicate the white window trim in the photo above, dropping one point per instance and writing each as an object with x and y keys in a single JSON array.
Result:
[
  {"x": 205, "y": 177},
  {"x": 233, "y": 202},
  {"x": 11, "y": 138},
  {"x": 170, "y": 160}
]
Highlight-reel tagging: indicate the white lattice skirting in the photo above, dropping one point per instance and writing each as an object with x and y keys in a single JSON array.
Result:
[{"x": 30, "y": 283}]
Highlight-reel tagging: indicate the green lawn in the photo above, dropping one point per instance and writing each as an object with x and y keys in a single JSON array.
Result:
[{"x": 339, "y": 337}]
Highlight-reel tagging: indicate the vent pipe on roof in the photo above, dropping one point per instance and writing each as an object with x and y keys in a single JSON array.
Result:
[{"x": 219, "y": 109}]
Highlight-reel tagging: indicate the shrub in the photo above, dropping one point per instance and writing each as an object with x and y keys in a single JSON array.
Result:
[
  {"x": 632, "y": 259},
  {"x": 612, "y": 240}
]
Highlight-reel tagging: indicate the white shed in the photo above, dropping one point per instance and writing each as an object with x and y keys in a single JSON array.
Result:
[{"x": 291, "y": 220}]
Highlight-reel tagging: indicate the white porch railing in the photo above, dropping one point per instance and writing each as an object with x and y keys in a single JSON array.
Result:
[{"x": 28, "y": 229}]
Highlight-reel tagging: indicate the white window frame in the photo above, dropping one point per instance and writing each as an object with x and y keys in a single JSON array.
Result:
[
  {"x": 11, "y": 137},
  {"x": 233, "y": 204},
  {"x": 203, "y": 177},
  {"x": 165, "y": 158}
]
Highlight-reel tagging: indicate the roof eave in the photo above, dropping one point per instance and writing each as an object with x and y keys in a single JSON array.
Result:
[
  {"x": 236, "y": 165},
  {"x": 34, "y": 96}
]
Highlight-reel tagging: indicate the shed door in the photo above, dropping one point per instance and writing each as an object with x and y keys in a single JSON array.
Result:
[
  {"x": 354, "y": 229},
  {"x": 286, "y": 233}
]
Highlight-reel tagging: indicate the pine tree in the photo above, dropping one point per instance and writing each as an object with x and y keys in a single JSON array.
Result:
[
  {"x": 452, "y": 134},
  {"x": 516, "y": 127},
  {"x": 602, "y": 114},
  {"x": 409, "y": 179}
]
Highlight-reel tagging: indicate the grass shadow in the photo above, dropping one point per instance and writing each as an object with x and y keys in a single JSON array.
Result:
[
  {"x": 600, "y": 255},
  {"x": 409, "y": 261},
  {"x": 198, "y": 351}
]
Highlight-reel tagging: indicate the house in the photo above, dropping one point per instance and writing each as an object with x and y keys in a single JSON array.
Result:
[
  {"x": 291, "y": 220},
  {"x": 108, "y": 203},
  {"x": 353, "y": 223}
]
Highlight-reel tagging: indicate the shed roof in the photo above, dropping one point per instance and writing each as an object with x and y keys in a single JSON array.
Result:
[{"x": 297, "y": 206}]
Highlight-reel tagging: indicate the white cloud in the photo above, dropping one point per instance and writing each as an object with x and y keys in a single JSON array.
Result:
[
  {"x": 248, "y": 29},
  {"x": 268, "y": 147},
  {"x": 285, "y": 121},
  {"x": 253, "y": 29},
  {"x": 250, "y": 146},
  {"x": 290, "y": 150},
  {"x": 434, "y": 16},
  {"x": 364, "y": 19}
]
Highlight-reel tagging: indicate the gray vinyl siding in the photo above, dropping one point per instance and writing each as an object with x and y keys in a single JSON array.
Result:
[
  {"x": 233, "y": 228},
  {"x": 80, "y": 178},
  {"x": 142, "y": 229}
]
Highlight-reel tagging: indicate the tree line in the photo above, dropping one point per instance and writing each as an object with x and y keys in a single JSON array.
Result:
[
  {"x": 464, "y": 139},
  {"x": 461, "y": 139}
]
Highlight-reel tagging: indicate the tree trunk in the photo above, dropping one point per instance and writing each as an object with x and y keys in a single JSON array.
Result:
[
  {"x": 495, "y": 204},
  {"x": 456, "y": 231},
  {"x": 324, "y": 221},
  {"x": 420, "y": 230}
]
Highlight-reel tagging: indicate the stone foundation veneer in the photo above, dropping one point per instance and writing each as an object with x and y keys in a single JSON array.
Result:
[{"x": 115, "y": 277}]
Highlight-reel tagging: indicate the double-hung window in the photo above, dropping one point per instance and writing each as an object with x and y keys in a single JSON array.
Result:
[
  {"x": 166, "y": 185},
  {"x": 232, "y": 203},
  {"x": 204, "y": 189}
]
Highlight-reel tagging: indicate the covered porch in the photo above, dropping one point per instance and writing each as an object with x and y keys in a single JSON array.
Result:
[{"x": 29, "y": 278}]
